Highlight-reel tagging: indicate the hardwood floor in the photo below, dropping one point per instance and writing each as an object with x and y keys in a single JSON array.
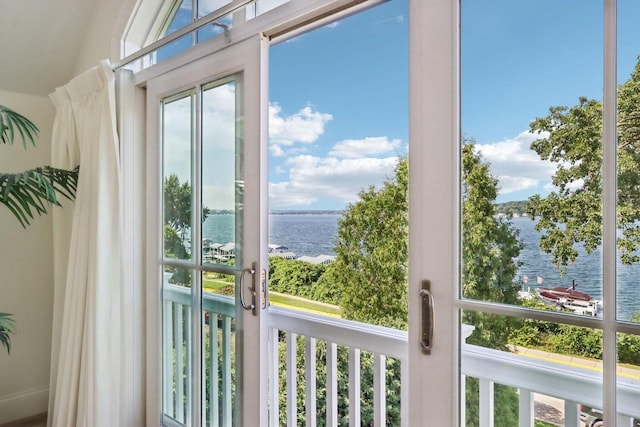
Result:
[{"x": 35, "y": 421}]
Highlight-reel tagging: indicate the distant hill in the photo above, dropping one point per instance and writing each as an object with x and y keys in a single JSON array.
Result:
[{"x": 517, "y": 208}]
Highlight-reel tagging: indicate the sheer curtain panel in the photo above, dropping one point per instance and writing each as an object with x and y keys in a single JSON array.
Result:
[{"x": 86, "y": 361}]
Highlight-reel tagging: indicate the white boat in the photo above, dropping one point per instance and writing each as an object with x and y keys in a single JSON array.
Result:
[{"x": 569, "y": 299}]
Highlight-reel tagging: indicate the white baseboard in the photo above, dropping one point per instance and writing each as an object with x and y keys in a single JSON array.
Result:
[{"x": 24, "y": 404}]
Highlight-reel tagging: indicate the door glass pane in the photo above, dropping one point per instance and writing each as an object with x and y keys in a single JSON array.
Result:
[
  {"x": 338, "y": 227},
  {"x": 221, "y": 231},
  {"x": 218, "y": 350},
  {"x": 221, "y": 183},
  {"x": 544, "y": 371},
  {"x": 337, "y": 168},
  {"x": 177, "y": 344},
  {"x": 531, "y": 160},
  {"x": 531, "y": 228},
  {"x": 628, "y": 212},
  {"x": 628, "y": 160},
  {"x": 177, "y": 136}
]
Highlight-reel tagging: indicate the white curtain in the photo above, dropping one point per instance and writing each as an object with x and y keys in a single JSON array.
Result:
[{"x": 85, "y": 386}]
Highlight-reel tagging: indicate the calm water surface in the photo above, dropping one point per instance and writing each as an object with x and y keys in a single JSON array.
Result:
[{"x": 314, "y": 234}]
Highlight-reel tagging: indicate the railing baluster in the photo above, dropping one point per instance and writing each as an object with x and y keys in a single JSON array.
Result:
[
  {"x": 214, "y": 372},
  {"x": 379, "y": 390},
  {"x": 292, "y": 384},
  {"x": 571, "y": 414},
  {"x": 178, "y": 326},
  {"x": 188, "y": 372},
  {"x": 167, "y": 359},
  {"x": 274, "y": 396},
  {"x": 404, "y": 394},
  {"x": 310, "y": 376},
  {"x": 525, "y": 408},
  {"x": 625, "y": 421},
  {"x": 332, "y": 384},
  {"x": 354, "y": 387},
  {"x": 486, "y": 403},
  {"x": 227, "y": 414}
]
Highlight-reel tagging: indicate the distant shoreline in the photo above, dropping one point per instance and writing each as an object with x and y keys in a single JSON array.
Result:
[{"x": 305, "y": 212}]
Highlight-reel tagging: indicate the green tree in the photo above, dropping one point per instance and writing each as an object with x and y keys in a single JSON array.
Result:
[
  {"x": 294, "y": 277},
  {"x": 490, "y": 246},
  {"x": 177, "y": 204},
  {"x": 371, "y": 254},
  {"x": 572, "y": 139}
]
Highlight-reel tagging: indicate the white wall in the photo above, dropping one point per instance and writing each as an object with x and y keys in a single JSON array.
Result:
[
  {"x": 107, "y": 26},
  {"x": 26, "y": 276}
]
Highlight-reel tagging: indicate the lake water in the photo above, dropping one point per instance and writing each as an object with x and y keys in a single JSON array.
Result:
[{"x": 313, "y": 234}]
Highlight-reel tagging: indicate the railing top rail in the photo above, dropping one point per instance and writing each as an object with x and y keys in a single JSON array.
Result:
[
  {"x": 554, "y": 378},
  {"x": 377, "y": 339}
]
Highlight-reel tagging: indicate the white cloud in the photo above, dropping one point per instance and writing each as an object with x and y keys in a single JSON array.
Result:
[
  {"x": 359, "y": 148},
  {"x": 304, "y": 127},
  {"x": 313, "y": 178},
  {"x": 516, "y": 166}
]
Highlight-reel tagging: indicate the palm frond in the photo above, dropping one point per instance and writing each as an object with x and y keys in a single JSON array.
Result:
[
  {"x": 10, "y": 122},
  {"x": 6, "y": 328},
  {"x": 30, "y": 192}
]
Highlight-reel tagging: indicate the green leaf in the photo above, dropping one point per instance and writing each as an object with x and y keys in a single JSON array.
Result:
[
  {"x": 31, "y": 191},
  {"x": 6, "y": 328},
  {"x": 10, "y": 121}
]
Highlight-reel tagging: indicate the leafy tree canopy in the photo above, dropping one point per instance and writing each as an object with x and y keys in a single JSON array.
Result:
[
  {"x": 371, "y": 253},
  {"x": 372, "y": 249},
  {"x": 490, "y": 246},
  {"x": 177, "y": 204},
  {"x": 572, "y": 138}
]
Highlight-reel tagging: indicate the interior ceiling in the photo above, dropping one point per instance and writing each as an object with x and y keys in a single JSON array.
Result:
[{"x": 39, "y": 43}]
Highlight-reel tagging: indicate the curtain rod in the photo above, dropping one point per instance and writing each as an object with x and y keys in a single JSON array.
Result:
[{"x": 196, "y": 25}]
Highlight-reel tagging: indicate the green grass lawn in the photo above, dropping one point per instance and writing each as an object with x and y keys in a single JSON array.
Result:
[{"x": 284, "y": 300}]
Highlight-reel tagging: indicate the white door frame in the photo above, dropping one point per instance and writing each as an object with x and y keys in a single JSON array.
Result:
[{"x": 245, "y": 57}]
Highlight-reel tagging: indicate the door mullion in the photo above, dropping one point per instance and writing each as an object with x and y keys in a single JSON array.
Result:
[
  {"x": 609, "y": 203},
  {"x": 197, "y": 405}
]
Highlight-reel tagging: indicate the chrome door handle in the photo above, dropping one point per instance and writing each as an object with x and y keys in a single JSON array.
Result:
[{"x": 426, "y": 298}]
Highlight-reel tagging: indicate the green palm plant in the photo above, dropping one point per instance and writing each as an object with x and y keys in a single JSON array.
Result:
[
  {"x": 32, "y": 191},
  {"x": 29, "y": 192},
  {"x": 6, "y": 328}
]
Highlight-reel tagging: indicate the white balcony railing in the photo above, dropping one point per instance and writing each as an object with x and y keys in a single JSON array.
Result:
[
  {"x": 296, "y": 340},
  {"x": 219, "y": 335}
]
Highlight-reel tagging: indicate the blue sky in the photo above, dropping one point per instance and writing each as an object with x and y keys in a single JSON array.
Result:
[
  {"x": 339, "y": 94},
  {"x": 339, "y": 109},
  {"x": 518, "y": 59}
]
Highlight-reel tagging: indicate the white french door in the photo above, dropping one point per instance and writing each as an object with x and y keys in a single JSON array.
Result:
[
  {"x": 206, "y": 156},
  {"x": 599, "y": 386}
]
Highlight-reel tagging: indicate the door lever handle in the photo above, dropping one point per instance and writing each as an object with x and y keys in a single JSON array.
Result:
[{"x": 427, "y": 303}]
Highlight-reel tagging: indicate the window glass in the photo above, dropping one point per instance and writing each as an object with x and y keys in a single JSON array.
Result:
[
  {"x": 338, "y": 139},
  {"x": 532, "y": 153},
  {"x": 221, "y": 190},
  {"x": 177, "y": 137}
]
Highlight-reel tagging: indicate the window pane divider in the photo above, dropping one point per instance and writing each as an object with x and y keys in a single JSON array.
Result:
[{"x": 609, "y": 201}]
